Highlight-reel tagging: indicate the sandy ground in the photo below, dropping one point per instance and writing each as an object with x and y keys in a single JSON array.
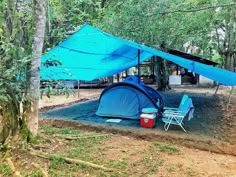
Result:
[{"x": 63, "y": 100}]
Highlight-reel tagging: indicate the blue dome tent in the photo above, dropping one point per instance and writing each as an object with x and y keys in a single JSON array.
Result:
[{"x": 127, "y": 99}]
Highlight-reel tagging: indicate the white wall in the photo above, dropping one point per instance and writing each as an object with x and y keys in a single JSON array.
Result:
[{"x": 175, "y": 80}]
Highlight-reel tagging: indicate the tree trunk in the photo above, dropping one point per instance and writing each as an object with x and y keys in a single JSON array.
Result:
[
  {"x": 157, "y": 69},
  {"x": 103, "y": 2},
  {"x": 229, "y": 62},
  {"x": 160, "y": 74},
  {"x": 230, "y": 39},
  {"x": 34, "y": 77}
]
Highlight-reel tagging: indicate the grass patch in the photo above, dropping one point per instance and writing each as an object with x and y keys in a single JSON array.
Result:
[
  {"x": 118, "y": 164},
  {"x": 150, "y": 163},
  {"x": 190, "y": 172},
  {"x": 69, "y": 131},
  {"x": 35, "y": 173},
  {"x": 170, "y": 169},
  {"x": 49, "y": 130},
  {"x": 160, "y": 162},
  {"x": 56, "y": 162},
  {"x": 166, "y": 148},
  {"x": 5, "y": 170}
]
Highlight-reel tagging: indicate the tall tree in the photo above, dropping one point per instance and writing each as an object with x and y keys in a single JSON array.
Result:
[
  {"x": 15, "y": 46},
  {"x": 183, "y": 25},
  {"x": 224, "y": 34},
  {"x": 34, "y": 75}
]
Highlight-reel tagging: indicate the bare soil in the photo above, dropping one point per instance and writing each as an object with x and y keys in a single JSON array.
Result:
[{"x": 127, "y": 155}]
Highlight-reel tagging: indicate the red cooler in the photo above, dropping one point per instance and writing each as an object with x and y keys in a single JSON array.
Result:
[{"x": 147, "y": 120}]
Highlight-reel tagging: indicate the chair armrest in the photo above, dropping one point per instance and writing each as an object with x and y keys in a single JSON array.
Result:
[
  {"x": 169, "y": 108},
  {"x": 167, "y": 115},
  {"x": 172, "y": 111}
]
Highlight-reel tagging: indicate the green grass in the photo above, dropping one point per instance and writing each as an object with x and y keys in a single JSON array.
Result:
[
  {"x": 65, "y": 131},
  {"x": 166, "y": 148},
  {"x": 5, "y": 170},
  {"x": 170, "y": 169},
  {"x": 35, "y": 173},
  {"x": 70, "y": 131},
  {"x": 56, "y": 162},
  {"x": 118, "y": 164},
  {"x": 49, "y": 130},
  {"x": 190, "y": 172},
  {"x": 86, "y": 149}
]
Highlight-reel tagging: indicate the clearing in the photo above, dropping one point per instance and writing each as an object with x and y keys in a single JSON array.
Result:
[{"x": 116, "y": 150}]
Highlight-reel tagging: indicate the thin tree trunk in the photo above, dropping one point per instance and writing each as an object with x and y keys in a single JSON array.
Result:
[
  {"x": 157, "y": 68},
  {"x": 229, "y": 62},
  {"x": 34, "y": 80}
]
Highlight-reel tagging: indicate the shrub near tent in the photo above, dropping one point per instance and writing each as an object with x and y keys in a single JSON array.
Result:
[{"x": 127, "y": 99}]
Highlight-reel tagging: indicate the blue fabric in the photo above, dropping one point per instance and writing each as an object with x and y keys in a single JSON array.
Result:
[
  {"x": 125, "y": 100},
  {"x": 91, "y": 53}
]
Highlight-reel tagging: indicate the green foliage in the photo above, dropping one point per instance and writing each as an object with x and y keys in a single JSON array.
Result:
[
  {"x": 16, "y": 21},
  {"x": 177, "y": 24},
  {"x": 68, "y": 15},
  {"x": 51, "y": 87}
]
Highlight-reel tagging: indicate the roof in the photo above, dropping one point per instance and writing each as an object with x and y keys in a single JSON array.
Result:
[
  {"x": 91, "y": 53},
  {"x": 191, "y": 57}
]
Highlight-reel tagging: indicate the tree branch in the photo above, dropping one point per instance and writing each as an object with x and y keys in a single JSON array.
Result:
[
  {"x": 69, "y": 160},
  {"x": 193, "y": 10}
]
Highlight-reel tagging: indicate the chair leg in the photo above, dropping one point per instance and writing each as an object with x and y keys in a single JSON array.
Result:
[
  {"x": 166, "y": 126},
  {"x": 182, "y": 127}
]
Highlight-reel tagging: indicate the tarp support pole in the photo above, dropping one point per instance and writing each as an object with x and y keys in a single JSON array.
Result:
[
  {"x": 139, "y": 66},
  {"x": 78, "y": 91},
  {"x": 217, "y": 88}
]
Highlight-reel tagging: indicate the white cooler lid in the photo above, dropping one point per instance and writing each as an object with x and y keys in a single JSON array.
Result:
[
  {"x": 149, "y": 116},
  {"x": 149, "y": 110}
]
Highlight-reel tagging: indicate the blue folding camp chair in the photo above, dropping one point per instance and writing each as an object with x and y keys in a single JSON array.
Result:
[{"x": 176, "y": 116}]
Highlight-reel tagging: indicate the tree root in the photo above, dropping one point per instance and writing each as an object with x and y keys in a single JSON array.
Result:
[
  {"x": 44, "y": 172},
  {"x": 13, "y": 169},
  {"x": 81, "y": 137},
  {"x": 74, "y": 161}
]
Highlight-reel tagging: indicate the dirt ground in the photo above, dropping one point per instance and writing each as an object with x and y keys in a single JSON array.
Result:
[
  {"x": 130, "y": 151},
  {"x": 62, "y": 100},
  {"x": 116, "y": 155}
]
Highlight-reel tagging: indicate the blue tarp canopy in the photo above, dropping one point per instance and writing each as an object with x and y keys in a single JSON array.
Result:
[{"x": 91, "y": 53}]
